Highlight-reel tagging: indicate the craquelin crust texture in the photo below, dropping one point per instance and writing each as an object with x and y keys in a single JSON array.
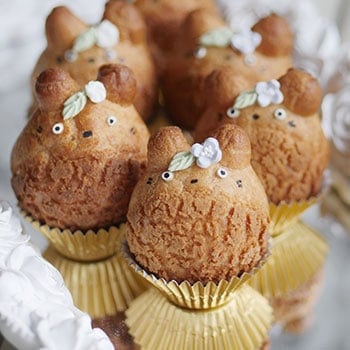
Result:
[
  {"x": 63, "y": 27},
  {"x": 83, "y": 177},
  {"x": 289, "y": 155},
  {"x": 183, "y": 81},
  {"x": 198, "y": 226}
]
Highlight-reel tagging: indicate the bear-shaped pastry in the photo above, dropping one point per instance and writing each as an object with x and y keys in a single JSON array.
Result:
[
  {"x": 281, "y": 117},
  {"x": 81, "y": 49},
  {"x": 198, "y": 213},
  {"x": 80, "y": 155},
  {"x": 206, "y": 43}
]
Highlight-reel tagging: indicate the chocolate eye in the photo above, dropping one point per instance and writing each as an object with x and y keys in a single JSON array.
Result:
[
  {"x": 232, "y": 112},
  {"x": 222, "y": 173},
  {"x": 58, "y": 128},
  {"x": 111, "y": 120},
  {"x": 167, "y": 176},
  {"x": 280, "y": 114}
]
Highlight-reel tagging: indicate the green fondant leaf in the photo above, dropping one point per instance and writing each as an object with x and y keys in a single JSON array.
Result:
[
  {"x": 181, "y": 161},
  {"x": 219, "y": 37},
  {"x": 245, "y": 99},
  {"x": 74, "y": 105},
  {"x": 85, "y": 40}
]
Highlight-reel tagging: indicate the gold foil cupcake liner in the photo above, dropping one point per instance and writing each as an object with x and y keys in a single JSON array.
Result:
[
  {"x": 286, "y": 214},
  {"x": 296, "y": 256},
  {"x": 242, "y": 323},
  {"x": 102, "y": 288},
  {"x": 81, "y": 246},
  {"x": 196, "y": 296}
]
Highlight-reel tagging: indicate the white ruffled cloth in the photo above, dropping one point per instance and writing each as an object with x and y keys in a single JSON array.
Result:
[{"x": 36, "y": 308}]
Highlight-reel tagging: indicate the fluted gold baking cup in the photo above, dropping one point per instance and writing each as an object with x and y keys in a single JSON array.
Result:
[
  {"x": 243, "y": 323},
  {"x": 296, "y": 256},
  {"x": 99, "y": 288},
  {"x": 81, "y": 246},
  {"x": 285, "y": 214},
  {"x": 196, "y": 296}
]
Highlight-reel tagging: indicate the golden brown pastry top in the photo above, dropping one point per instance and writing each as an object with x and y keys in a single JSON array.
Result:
[
  {"x": 122, "y": 39},
  {"x": 289, "y": 149},
  {"x": 79, "y": 172},
  {"x": 187, "y": 222},
  {"x": 198, "y": 53}
]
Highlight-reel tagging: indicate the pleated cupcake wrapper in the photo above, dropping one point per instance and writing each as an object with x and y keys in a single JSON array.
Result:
[
  {"x": 81, "y": 246},
  {"x": 286, "y": 214},
  {"x": 99, "y": 288},
  {"x": 243, "y": 323},
  {"x": 197, "y": 296},
  {"x": 296, "y": 256}
]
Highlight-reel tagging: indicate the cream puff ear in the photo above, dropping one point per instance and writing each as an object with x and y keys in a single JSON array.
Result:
[
  {"x": 53, "y": 86},
  {"x": 235, "y": 146},
  {"x": 163, "y": 145},
  {"x": 128, "y": 20},
  {"x": 302, "y": 92},
  {"x": 197, "y": 23},
  {"x": 222, "y": 86},
  {"x": 276, "y": 35},
  {"x": 62, "y": 28},
  {"x": 119, "y": 82}
]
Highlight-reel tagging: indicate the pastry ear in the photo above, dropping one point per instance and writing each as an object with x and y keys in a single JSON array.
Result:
[
  {"x": 53, "y": 86},
  {"x": 222, "y": 86},
  {"x": 119, "y": 82},
  {"x": 276, "y": 35},
  {"x": 235, "y": 146},
  {"x": 163, "y": 145},
  {"x": 302, "y": 92},
  {"x": 128, "y": 20},
  {"x": 197, "y": 23},
  {"x": 62, "y": 27}
]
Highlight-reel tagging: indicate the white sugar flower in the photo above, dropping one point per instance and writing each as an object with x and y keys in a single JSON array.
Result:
[
  {"x": 207, "y": 153},
  {"x": 107, "y": 34},
  {"x": 246, "y": 41},
  {"x": 95, "y": 91},
  {"x": 269, "y": 92},
  {"x": 336, "y": 119}
]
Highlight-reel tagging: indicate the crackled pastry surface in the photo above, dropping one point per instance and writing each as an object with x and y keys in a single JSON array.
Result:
[{"x": 78, "y": 173}]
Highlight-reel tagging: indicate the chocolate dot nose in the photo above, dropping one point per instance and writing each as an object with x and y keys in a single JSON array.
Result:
[{"x": 87, "y": 133}]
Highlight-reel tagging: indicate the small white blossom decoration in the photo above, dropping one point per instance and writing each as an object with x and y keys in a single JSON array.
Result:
[
  {"x": 95, "y": 91},
  {"x": 246, "y": 41},
  {"x": 207, "y": 153},
  {"x": 269, "y": 92},
  {"x": 107, "y": 34}
]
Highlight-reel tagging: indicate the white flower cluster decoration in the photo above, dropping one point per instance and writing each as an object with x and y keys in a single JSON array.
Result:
[
  {"x": 36, "y": 309},
  {"x": 245, "y": 41},
  {"x": 269, "y": 93},
  {"x": 104, "y": 35},
  {"x": 264, "y": 93},
  {"x": 336, "y": 119},
  {"x": 207, "y": 153},
  {"x": 95, "y": 91},
  {"x": 204, "y": 155}
]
